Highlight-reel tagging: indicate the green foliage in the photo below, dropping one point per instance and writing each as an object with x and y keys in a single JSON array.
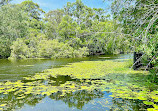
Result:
[
  {"x": 138, "y": 19},
  {"x": 82, "y": 26},
  {"x": 13, "y": 25},
  {"x": 34, "y": 12},
  {"x": 53, "y": 19},
  {"x": 67, "y": 28},
  {"x": 19, "y": 49},
  {"x": 16, "y": 23},
  {"x": 4, "y": 2},
  {"x": 32, "y": 9},
  {"x": 54, "y": 49},
  {"x": 41, "y": 47},
  {"x": 74, "y": 31},
  {"x": 81, "y": 52}
]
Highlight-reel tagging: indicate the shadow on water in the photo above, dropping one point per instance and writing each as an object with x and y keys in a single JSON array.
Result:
[{"x": 61, "y": 80}]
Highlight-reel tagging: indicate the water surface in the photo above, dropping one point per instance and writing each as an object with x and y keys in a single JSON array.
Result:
[
  {"x": 15, "y": 70},
  {"x": 108, "y": 96}
]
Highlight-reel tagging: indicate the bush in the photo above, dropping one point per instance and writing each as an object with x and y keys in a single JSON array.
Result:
[
  {"x": 41, "y": 47},
  {"x": 19, "y": 49},
  {"x": 54, "y": 49},
  {"x": 81, "y": 52}
]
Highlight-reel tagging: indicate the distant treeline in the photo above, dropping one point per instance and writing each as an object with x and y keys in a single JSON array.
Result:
[
  {"x": 26, "y": 31},
  {"x": 77, "y": 30}
]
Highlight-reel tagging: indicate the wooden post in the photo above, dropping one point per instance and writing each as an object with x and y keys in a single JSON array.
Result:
[
  {"x": 134, "y": 60},
  {"x": 137, "y": 63}
]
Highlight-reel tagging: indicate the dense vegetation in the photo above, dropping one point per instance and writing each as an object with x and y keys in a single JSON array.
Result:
[
  {"x": 26, "y": 31},
  {"x": 139, "y": 19},
  {"x": 76, "y": 30}
]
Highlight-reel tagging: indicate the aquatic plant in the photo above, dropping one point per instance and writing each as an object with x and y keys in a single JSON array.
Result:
[{"x": 89, "y": 76}]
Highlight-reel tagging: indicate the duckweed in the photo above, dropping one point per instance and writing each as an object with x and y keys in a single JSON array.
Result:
[{"x": 92, "y": 77}]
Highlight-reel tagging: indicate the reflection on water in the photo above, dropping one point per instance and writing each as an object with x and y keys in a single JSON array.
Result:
[
  {"x": 75, "y": 94},
  {"x": 113, "y": 92},
  {"x": 15, "y": 70}
]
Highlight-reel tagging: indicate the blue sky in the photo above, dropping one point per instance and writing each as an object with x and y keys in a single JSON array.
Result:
[{"x": 47, "y": 5}]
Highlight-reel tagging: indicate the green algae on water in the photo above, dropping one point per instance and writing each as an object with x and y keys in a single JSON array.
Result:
[{"x": 89, "y": 76}]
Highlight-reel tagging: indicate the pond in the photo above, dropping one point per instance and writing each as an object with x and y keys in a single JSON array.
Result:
[
  {"x": 15, "y": 70},
  {"x": 97, "y": 83}
]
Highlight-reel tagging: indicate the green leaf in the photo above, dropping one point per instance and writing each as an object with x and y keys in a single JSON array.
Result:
[{"x": 148, "y": 103}]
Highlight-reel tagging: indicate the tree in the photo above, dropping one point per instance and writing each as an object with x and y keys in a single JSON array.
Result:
[
  {"x": 17, "y": 23},
  {"x": 13, "y": 25},
  {"x": 53, "y": 19},
  {"x": 139, "y": 19},
  {"x": 67, "y": 28},
  {"x": 4, "y": 2},
  {"x": 32, "y": 9},
  {"x": 34, "y": 12}
]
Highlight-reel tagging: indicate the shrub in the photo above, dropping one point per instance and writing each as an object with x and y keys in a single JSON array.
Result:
[{"x": 41, "y": 47}]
